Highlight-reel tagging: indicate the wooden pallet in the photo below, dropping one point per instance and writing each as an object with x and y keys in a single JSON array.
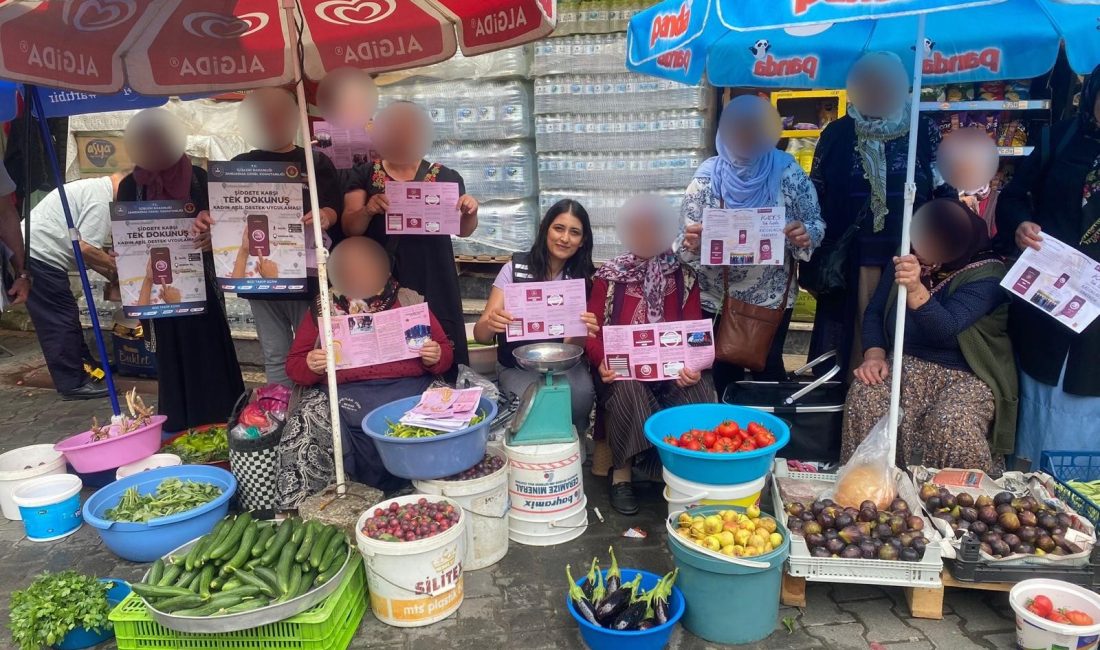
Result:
[
  {"x": 924, "y": 602},
  {"x": 484, "y": 259}
]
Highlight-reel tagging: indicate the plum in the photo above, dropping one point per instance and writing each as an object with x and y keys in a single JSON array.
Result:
[
  {"x": 808, "y": 516},
  {"x": 918, "y": 545},
  {"x": 888, "y": 552},
  {"x": 897, "y": 524},
  {"x": 934, "y": 503},
  {"x": 882, "y": 531},
  {"x": 909, "y": 555},
  {"x": 1045, "y": 542},
  {"x": 835, "y": 546},
  {"x": 914, "y": 522},
  {"x": 1047, "y": 521},
  {"x": 899, "y": 506},
  {"x": 965, "y": 500},
  {"x": 795, "y": 508},
  {"x": 843, "y": 520},
  {"x": 983, "y": 500},
  {"x": 868, "y": 549},
  {"x": 1000, "y": 549},
  {"x": 1005, "y": 507},
  {"x": 851, "y": 552},
  {"x": 868, "y": 505},
  {"x": 979, "y": 528},
  {"x": 794, "y": 524},
  {"x": 1028, "y": 518},
  {"x": 812, "y": 528},
  {"x": 1028, "y": 534},
  {"x": 927, "y": 491},
  {"x": 815, "y": 540},
  {"x": 851, "y": 535},
  {"x": 817, "y": 506},
  {"x": 1002, "y": 498},
  {"x": 826, "y": 520},
  {"x": 987, "y": 515},
  {"x": 948, "y": 501},
  {"x": 1010, "y": 521},
  {"x": 820, "y": 551},
  {"x": 968, "y": 514},
  {"x": 867, "y": 514},
  {"x": 1012, "y": 540}
]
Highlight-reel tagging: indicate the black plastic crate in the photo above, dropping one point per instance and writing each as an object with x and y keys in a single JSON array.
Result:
[{"x": 969, "y": 566}]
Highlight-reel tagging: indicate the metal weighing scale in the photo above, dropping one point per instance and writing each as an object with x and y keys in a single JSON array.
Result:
[{"x": 545, "y": 414}]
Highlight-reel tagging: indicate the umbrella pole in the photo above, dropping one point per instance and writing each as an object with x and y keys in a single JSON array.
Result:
[
  {"x": 322, "y": 270},
  {"x": 35, "y": 105},
  {"x": 906, "y": 220}
]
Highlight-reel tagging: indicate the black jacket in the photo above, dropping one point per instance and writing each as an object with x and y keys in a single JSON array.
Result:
[{"x": 1051, "y": 197}]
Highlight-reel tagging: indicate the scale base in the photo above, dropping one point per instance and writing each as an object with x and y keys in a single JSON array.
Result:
[{"x": 547, "y": 418}]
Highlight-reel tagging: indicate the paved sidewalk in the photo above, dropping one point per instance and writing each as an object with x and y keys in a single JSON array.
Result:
[{"x": 518, "y": 603}]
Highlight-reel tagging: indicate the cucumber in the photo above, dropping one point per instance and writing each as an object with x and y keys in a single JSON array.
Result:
[
  {"x": 185, "y": 578},
  {"x": 152, "y": 592},
  {"x": 232, "y": 540},
  {"x": 268, "y": 576},
  {"x": 205, "y": 578},
  {"x": 216, "y": 536},
  {"x": 306, "y": 584},
  {"x": 199, "y": 612},
  {"x": 156, "y": 572},
  {"x": 328, "y": 573},
  {"x": 248, "y": 605},
  {"x": 286, "y": 559},
  {"x": 193, "y": 583},
  {"x": 307, "y": 542},
  {"x": 192, "y": 556},
  {"x": 286, "y": 530},
  {"x": 317, "y": 553},
  {"x": 243, "y": 551},
  {"x": 232, "y": 584},
  {"x": 336, "y": 552},
  {"x": 171, "y": 573},
  {"x": 299, "y": 530},
  {"x": 295, "y": 582},
  {"x": 179, "y": 602},
  {"x": 266, "y": 534},
  {"x": 242, "y": 592},
  {"x": 255, "y": 581}
]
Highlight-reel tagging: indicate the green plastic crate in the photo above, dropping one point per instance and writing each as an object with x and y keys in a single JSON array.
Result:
[{"x": 328, "y": 626}]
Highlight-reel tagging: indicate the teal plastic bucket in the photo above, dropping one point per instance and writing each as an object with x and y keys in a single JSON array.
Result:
[{"x": 709, "y": 586}]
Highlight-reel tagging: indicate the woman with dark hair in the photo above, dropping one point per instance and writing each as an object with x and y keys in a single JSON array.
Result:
[
  {"x": 959, "y": 387},
  {"x": 1056, "y": 191},
  {"x": 198, "y": 377},
  {"x": 562, "y": 251}
]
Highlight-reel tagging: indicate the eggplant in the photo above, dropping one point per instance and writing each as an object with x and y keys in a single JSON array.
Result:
[
  {"x": 646, "y": 624},
  {"x": 617, "y": 601},
  {"x": 661, "y": 594},
  {"x": 600, "y": 591},
  {"x": 614, "y": 578},
  {"x": 634, "y": 614},
  {"x": 580, "y": 601},
  {"x": 589, "y": 584}
]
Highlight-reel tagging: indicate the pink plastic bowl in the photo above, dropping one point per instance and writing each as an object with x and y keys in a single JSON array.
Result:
[{"x": 87, "y": 457}]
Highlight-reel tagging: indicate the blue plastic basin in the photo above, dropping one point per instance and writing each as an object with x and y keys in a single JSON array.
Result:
[
  {"x": 709, "y": 584},
  {"x": 81, "y": 637},
  {"x": 655, "y": 638},
  {"x": 423, "y": 459},
  {"x": 145, "y": 542},
  {"x": 714, "y": 469}
]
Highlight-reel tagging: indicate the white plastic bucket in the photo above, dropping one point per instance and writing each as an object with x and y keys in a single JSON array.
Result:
[
  {"x": 1036, "y": 633},
  {"x": 153, "y": 462},
  {"x": 21, "y": 465},
  {"x": 540, "y": 530},
  {"x": 485, "y": 499},
  {"x": 50, "y": 506},
  {"x": 412, "y": 584},
  {"x": 682, "y": 494},
  {"x": 545, "y": 480}
]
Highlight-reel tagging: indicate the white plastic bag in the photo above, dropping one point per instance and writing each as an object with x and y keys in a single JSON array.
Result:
[{"x": 868, "y": 474}]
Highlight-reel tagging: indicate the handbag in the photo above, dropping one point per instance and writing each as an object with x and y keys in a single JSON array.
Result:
[
  {"x": 745, "y": 331},
  {"x": 255, "y": 465},
  {"x": 825, "y": 274}
]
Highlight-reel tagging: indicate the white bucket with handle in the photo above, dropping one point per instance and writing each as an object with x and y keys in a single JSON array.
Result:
[
  {"x": 1034, "y": 632},
  {"x": 683, "y": 494},
  {"x": 21, "y": 465}
]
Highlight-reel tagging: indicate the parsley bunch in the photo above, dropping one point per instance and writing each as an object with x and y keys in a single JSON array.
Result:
[{"x": 56, "y": 604}]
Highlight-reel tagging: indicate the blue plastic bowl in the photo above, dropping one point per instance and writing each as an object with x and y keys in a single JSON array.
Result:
[
  {"x": 423, "y": 459},
  {"x": 714, "y": 469},
  {"x": 145, "y": 542},
  {"x": 655, "y": 638},
  {"x": 81, "y": 637}
]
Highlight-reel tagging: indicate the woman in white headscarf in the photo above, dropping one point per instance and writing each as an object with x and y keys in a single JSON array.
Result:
[
  {"x": 749, "y": 172},
  {"x": 647, "y": 284},
  {"x": 859, "y": 171}
]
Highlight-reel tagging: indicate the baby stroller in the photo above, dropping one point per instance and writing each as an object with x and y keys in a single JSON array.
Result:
[{"x": 814, "y": 408}]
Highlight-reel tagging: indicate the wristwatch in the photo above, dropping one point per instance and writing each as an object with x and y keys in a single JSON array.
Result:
[{"x": 24, "y": 276}]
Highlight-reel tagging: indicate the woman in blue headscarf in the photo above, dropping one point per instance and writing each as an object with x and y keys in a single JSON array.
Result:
[{"x": 749, "y": 172}]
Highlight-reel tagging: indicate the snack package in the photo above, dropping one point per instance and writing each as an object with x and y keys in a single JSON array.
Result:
[
  {"x": 958, "y": 93},
  {"x": 987, "y": 121},
  {"x": 1012, "y": 134},
  {"x": 868, "y": 474},
  {"x": 1017, "y": 90},
  {"x": 932, "y": 93},
  {"x": 992, "y": 91}
]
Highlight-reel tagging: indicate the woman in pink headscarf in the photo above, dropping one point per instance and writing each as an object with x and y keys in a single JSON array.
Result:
[{"x": 199, "y": 379}]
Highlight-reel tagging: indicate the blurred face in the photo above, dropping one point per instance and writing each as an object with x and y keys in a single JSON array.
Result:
[
  {"x": 347, "y": 98},
  {"x": 403, "y": 133},
  {"x": 968, "y": 159},
  {"x": 878, "y": 86},
  {"x": 931, "y": 242},
  {"x": 154, "y": 139},
  {"x": 358, "y": 269},
  {"x": 750, "y": 126},
  {"x": 268, "y": 118},
  {"x": 565, "y": 236},
  {"x": 643, "y": 237}
]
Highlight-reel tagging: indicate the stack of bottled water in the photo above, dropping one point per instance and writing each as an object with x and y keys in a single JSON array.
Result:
[
  {"x": 604, "y": 135},
  {"x": 484, "y": 129},
  {"x": 596, "y": 16}
]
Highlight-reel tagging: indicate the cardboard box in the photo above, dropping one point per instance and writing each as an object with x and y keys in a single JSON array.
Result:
[{"x": 100, "y": 152}]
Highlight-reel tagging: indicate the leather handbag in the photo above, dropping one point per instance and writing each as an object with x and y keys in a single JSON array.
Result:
[{"x": 745, "y": 331}]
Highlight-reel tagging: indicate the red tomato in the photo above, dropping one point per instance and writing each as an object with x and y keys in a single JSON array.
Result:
[
  {"x": 694, "y": 445},
  {"x": 1031, "y": 608},
  {"x": 728, "y": 429},
  {"x": 687, "y": 438},
  {"x": 748, "y": 445},
  {"x": 1042, "y": 606},
  {"x": 755, "y": 429},
  {"x": 1059, "y": 617},
  {"x": 1078, "y": 617},
  {"x": 709, "y": 438},
  {"x": 669, "y": 440},
  {"x": 763, "y": 440},
  {"x": 725, "y": 446}
]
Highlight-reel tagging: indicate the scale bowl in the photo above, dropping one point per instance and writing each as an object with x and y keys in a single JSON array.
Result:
[{"x": 554, "y": 358}]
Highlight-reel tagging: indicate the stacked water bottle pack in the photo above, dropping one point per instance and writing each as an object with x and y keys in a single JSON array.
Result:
[
  {"x": 484, "y": 130},
  {"x": 604, "y": 135},
  {"x": 596, "y": 16}
]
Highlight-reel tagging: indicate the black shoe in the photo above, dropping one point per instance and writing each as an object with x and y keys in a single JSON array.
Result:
[
  {"x": 623, "y": 499},
  {"x": 87, "y": 391}
]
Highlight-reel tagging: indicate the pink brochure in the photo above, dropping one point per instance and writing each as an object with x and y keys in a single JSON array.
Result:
[
  {"x": 363, "y": 340},
  {"x": 657, "y": 352},
  {"x": 546, "y": 310},
  {"x": 422, "y": 208}
]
